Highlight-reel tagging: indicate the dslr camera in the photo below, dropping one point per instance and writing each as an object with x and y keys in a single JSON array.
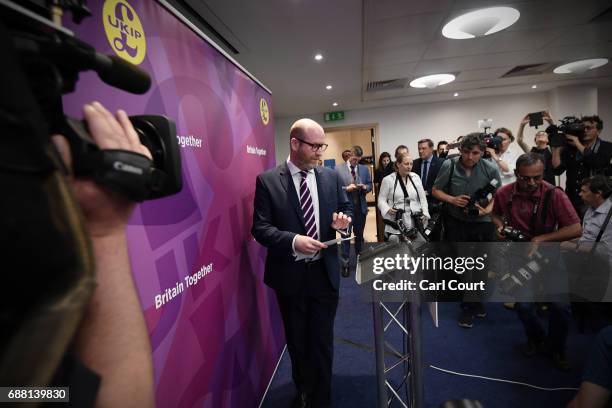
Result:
[
  {"x": 482, "y": 197},
  {"x": 570, "y": 125},
  {"x": 398, "y": 224}
]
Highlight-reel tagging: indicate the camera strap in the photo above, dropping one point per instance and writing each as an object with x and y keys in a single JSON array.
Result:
[
  {"x": 604, "y": 225},
  {"x": 398, "y": 179},
  {"x": 533, "y": 223},
  {"x": 126, "y": 172}
]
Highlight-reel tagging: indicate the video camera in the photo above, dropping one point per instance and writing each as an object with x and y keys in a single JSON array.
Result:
[
  {"x": 570, "y": 125},
  {"x": 482, "y": 197},
  {"x": 51, "y": 58}
]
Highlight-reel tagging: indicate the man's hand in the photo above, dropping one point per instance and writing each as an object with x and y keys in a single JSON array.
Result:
[
  {"x": 525, "y": 121},
  {"x": 106, "y": 212},
  {"x": 340, "y": 221},
  {"x": 363, "y": 186},
  {"x": 460, "y": 200},
  {"x": 499, "y": 233},
  {"x": 307, "y": 245},
  {"x": 574, "y": 141},
  {"x": 351, "y": 187},
  {"x": 482, "y": 211}
]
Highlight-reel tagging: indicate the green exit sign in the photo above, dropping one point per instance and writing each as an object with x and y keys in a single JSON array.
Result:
[{"x": 333, "y": 116}]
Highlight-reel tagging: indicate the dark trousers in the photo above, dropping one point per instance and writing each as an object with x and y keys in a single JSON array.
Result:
[
  {"x": 359, "y": 221},
  {"x": 308, "y": 318},
  {"x": 456, "y": 230},
  {"x": 558, "y": 324}
]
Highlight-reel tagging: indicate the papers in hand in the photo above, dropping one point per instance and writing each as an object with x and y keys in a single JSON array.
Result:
[{"x": 300, "y": 256}]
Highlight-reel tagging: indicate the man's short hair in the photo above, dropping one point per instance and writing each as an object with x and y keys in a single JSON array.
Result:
[
  {"x": 506, "y": 131},
  {"x": 598, "y": 184},
  {"x": 357, "y": 151},
  {"x": 528, "y": 159},
  {"x": 472, "y": 139},
  {"x": 398, "y": 148},
  {"x": 441, "y": 142},
  {"x": 593, "y": 118},
  {"x": 346, "y": 155},
  {"x": 428, "y": 141}
]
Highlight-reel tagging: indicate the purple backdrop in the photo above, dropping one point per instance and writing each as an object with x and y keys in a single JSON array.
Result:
[{"x": 215, "y": 342}]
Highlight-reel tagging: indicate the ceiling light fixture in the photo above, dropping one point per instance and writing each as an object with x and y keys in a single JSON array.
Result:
[
  {"x": 455, "y": 94},
  {"x": 318, "y": 57},
  {"x": 580, "y": 67},
  {"x": 432, "y": 81},
  {"x": 480, "y": 23},
  {"x": 534, "y": 86},
  {"x": 335, "y": 104},
  {"x": 328, "y": 87}
]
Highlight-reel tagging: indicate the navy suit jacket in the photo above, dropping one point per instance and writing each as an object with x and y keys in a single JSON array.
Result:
[
  {"x": 432, "y": 173},
  {"x": 277, "y": 218}
]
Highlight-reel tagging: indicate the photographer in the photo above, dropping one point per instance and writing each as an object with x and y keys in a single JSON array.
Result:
[
  {"x": 466, "y": 220},
  {"x": 402, "y": 191},
  {"x": 442, "y": 149},
  {"x": 503, "y": 156},
  {"x": 113, "y": 340},
  {"x": 582, "y": 157},
  {"x": 542, "y": 213},
  {"x": 541, "y": 146}
]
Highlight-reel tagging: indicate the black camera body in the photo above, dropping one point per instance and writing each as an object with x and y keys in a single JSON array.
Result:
[
  {"x": 514, "y": 234},
  {"x": 405, "y": 232},
  {"x": 492, "y": 140},
  {"x": 482, "y": 197},
  {"x": 570, "y": 125}
]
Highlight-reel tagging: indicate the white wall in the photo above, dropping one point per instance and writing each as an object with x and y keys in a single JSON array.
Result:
[
  {"x": 604, "y": 107},
  {"x": 437, "y": 121}
]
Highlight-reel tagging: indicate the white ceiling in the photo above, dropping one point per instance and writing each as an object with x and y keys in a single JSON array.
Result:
[{"x": 378, "y": 40}]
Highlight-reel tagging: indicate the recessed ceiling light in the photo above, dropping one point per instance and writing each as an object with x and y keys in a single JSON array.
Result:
[
  {"x": 328, "y": 87},
  {"x": 318, "y": 57},
  {"x": 534, "y": 86},
  {"x": 580, "y": 67},
  {"x": 455, "y": 94},
  {"x": 480, "y": 22},
  {"x": 335, "y": 104},
  {"x": 432, "y": 81}
]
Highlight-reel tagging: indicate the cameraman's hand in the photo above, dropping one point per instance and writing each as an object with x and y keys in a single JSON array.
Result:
[
  {"x": 574, "y": 141},
  {"x": 492, "y": 153},
  {"x": 482, "y": 211},
  {"x": 106, "y": 212},
  {"x": 460, "y": 200}
]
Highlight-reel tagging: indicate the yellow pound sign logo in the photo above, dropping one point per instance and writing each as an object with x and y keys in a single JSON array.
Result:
[
  {"x": 124, "y": 31},
  {"x": 263, "y": 110}
]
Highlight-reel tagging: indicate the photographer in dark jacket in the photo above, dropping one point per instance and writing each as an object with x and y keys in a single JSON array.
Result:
[{"x": 582, "y": 158}]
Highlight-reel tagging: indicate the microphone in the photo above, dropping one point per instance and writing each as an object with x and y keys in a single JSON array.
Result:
[{"x": 121, "y": 74}]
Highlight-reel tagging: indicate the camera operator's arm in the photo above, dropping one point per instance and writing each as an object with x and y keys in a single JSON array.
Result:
[
  {"x": 562, "y": 234},
  {"x": 386, "y": 191},
  {"x": 113, "y": 338},
  {"x": 557, "y": 160},
  {"x": 519, "y": 134},
  {"x": 503, "y": 166},
  {"x": 441, "y": 181}
]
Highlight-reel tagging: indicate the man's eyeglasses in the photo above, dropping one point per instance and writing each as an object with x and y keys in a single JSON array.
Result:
[
  {"x": 314, "y": 146},
  {"x": 527, "y": 178}
]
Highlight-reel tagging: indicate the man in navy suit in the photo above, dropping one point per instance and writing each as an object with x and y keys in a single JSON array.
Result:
[
  {"x": 298, "y": 206},
  {"x": 357, "y": 184},
  {"x": 427, "y": 167}
]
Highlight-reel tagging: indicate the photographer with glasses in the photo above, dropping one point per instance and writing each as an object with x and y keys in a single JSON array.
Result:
[
  {"x": 582, "y": 157},
  {"x": 542, "y": 213}
]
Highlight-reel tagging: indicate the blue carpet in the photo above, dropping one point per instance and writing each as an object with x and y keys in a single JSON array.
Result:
[{"x": 488, "y": 349}]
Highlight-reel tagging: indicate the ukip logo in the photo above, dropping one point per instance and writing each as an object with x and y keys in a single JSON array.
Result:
[{"x": 124, "y": 31}]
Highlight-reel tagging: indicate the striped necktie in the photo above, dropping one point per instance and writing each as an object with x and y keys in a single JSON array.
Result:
[
  {"x": 353, "y": 172},
  {"x": 307, "y": 207}
]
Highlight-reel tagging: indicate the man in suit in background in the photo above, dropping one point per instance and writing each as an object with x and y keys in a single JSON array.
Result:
[
  {"x": 357, "y": 184},
  {"x": 297, "y": 207},
  {"x": 427, "y": 166}
]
